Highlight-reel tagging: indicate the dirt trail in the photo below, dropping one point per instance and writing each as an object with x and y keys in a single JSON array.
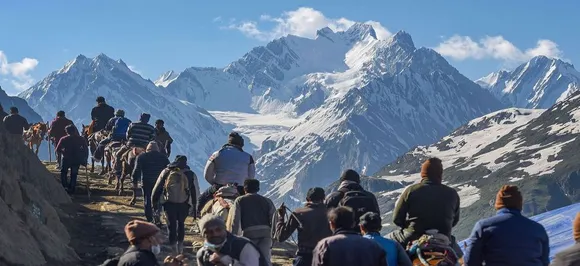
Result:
[{"x": 96, "y": 224}]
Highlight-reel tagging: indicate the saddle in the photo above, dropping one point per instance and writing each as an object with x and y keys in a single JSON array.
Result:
[{"x": 433, "y": 248}]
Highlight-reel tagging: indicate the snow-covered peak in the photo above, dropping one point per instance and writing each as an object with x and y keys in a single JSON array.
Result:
[
  {"x": 360, "y": 31},
  {"x": 166, "y": 78},
  {"x": 538, "y": 83},
  {"x": 325, "y": 32},
  {"x": 403, "y": 38}
]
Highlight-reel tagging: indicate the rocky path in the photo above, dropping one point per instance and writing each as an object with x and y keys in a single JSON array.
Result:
[{"x": 96, "y": 223}]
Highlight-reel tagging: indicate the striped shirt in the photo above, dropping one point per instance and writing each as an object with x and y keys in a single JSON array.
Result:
[{"x": 140, "y": 134}]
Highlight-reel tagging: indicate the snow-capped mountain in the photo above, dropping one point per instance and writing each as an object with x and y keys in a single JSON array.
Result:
[
  {"x": 23, "y": 107},
  {"x": 75, "y": 87},
  {"x": 391, "y": 97},
  {"x": 531, "y": 148},
  {"x": 539, "y": 83},
  {"x": 166, "y": 78}
]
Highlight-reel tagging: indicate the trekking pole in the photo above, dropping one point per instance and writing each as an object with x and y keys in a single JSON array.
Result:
[{"x": 88, "y": 182}]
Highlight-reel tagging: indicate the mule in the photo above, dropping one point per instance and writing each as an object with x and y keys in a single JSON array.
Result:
[
  {"x": 93, "y": 139},
  {"x": 127, "y": 164},
  {"x": 35, "y": 135}
]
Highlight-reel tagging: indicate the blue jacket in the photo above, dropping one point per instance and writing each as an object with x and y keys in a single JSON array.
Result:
[
  {"x": 508, "y": 238},
  {"x": 120, "y": 128},
  {"x": 396, "y": 254}
]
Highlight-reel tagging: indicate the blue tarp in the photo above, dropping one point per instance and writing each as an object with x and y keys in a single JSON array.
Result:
[{"x": 558, "y": 224}]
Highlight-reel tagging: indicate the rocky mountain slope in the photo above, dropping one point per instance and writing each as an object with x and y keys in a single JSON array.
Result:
[
  {"x": 533, "y": 149},
  {"x": 401, "y": 96},
  {"x": 539, "y": 83},
  {"x": 30, "y": 201},
  {"x": 23, "y": 107},
  {"x": 75, "y": 87}
]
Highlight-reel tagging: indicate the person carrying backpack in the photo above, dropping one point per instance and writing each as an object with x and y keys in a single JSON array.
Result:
[
  {"x": 176, "y": 187},
  {"x": 75, "y": 152},
  {"x": 351, "y": 194}
]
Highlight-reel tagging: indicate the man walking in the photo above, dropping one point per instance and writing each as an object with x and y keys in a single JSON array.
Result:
[
  {"x": 176, "y": 188},
  {"x": 148, "y": 166},
  {"x": 75, "y": 152},
  {"x": 251, "y": 217},
  {"x": 57, "y": 131}
]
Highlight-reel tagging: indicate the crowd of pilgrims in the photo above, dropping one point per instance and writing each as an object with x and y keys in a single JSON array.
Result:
[{"x": 240, "y": 226}]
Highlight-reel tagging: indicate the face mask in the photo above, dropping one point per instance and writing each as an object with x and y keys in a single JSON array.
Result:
[
  {"x": 156, "y": 249},
  {"x": 214, "y": 247}
]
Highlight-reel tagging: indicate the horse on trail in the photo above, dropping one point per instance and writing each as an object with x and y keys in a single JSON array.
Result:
[
  {"x": 35, "y": 135},
  {"x": 127, "y": 165},
  {"x": 93, "y": 139}
]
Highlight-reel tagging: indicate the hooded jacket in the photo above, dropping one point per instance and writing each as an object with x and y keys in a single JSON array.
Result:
[
  {"x": 230, "y": 164},
  {"x": 101, "y": 114}
]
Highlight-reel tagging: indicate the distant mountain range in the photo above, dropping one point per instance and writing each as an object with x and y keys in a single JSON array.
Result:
[
  {"x": 74, "y": 88},
  {"x": 538, "y": 83}
]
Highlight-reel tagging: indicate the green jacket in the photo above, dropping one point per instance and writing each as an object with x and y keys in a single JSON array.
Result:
[{"x": 427, "y": 205}]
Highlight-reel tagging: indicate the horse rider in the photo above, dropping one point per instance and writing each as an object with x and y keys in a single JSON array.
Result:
[
  {"x": 118, "y": 127},
  {"x": 101, "y": 114},
  {"x": 162, "y": 137},
  {"x": 229, "y": 165},
  {"x": 139, "y": 134},
  {"x": 57, "y": 131},
  {"x": 15, "y": 123}
]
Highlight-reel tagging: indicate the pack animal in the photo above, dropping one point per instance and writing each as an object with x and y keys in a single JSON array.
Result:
[
  {"x": 128, "y": 162},
  {"x": 35, "y": 135},
  {"x": 93, "y": 139}
]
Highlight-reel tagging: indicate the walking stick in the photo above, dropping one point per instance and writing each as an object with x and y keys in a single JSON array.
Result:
[
  {"x": 88, "y": 182},
  {"x": 48, "y": 141}
]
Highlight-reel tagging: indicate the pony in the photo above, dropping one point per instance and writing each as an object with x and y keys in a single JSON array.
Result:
[
  {"x": 93, "y": 139},
  {"x": 127, "y": 165},
  {"x": 35, "y": 135}
]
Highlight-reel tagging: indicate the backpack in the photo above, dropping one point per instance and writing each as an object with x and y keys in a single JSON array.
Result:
[
  {"x": 176, "y": 186},
  {"x": 360, "y": 201},
  {"x": 121, "y": 126},
  {"x": 433, "y": 249}
]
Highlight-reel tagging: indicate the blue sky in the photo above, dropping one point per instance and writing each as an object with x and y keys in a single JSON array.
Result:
[{"x": 477, "y": 37}]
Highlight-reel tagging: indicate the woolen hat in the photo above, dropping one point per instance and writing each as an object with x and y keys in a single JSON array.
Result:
[
  {"x": 509, "y": 197},
  {"x": 432, "y": 170},
  {"x": 152, "y": 146},
  {"x": 138, "y": 229},
  {"x": 576, "y": 227}
]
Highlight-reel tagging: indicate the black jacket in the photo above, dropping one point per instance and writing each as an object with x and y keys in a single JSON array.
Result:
[
  {"x": 347, "y": 247},
  {"x": 148, "y": 166},
  {"x": 568, "y": 257},
  {"x": 15, "y": 124},
  {"x": 314, "y": 227},
  {"x": 137, "y": 257},
  {"x": 101, "y": 115}
]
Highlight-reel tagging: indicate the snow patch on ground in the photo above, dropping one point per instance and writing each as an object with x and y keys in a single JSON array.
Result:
[{"x": 468, "y": 194}]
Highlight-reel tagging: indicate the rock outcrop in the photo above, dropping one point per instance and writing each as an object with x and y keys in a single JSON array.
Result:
[{"x": 30, "y": 225}]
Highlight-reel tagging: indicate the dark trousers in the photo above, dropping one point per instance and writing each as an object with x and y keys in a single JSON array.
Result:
[
  {"x": 176, "y": 214},
  {"x": 100, "y": 150},
  {"x": 207, "y": 195},
  {"x": 74, "y": 171},
  {"x": 302, "y": 259},
  {"x": 147, "y": 191}
]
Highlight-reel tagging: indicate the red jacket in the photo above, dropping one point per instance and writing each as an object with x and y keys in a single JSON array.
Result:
[{"x": 57, "y": 128}]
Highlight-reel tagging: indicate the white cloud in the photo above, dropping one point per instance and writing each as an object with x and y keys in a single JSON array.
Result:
[
  {"x": 304, "y": 22},
  {"x": 18, "y": 72},
  {"x": 496, "y": 47},
  {"x": 217, "y": 19}
]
